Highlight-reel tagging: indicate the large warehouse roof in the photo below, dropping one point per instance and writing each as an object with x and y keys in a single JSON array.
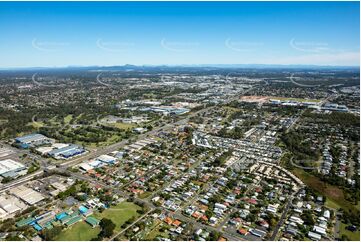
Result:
[
  {"x": 30, "y": 138},
  {"x": 59, "y": 151},
  {"x": 26, "y": 194},
  {"x": 9, "y": 165}
]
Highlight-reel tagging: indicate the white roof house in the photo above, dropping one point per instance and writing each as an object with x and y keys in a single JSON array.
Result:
[
  {"x": 314, "y": 236},
  {"x": 326, "y": 214},
  {"x": 319, "y": 230}
]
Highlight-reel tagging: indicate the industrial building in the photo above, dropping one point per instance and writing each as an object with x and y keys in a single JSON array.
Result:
[
  {"x": 102, "y": 160},
  {"x": 166, "y": 110},
  {"x": 5, "y": 152},
  {"x": 10, "y": 205},
  {"x": 32, "y": 140},
  {"x": 107, "y": 159},
  {"x": 335, "y": 107},
  {"x": 11, "y": 168},
  {"x": 26, "y": 194},
  {"x": 66, "y": 152}
]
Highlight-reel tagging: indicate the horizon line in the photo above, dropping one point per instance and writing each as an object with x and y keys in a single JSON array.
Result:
[{"x": 178, "y": 65}]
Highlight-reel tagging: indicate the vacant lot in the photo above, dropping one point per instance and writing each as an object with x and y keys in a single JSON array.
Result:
[
  {"x": 332, "y": 193},
  {"x": 295, "y": 99},
  {"x": 155, "y": 232},
  {"x": 354, "y": 236},
  {"x": 124, "y": 126}
]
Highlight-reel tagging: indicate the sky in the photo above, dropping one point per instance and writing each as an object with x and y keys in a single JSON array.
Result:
[{"x": 55, "y": 34}]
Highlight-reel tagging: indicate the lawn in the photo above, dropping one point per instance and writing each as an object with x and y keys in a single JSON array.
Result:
[
  {"x": 155, "y": 232},
  {"x": 333, "y": 194},
  {"x": 68, "y": 118},
  {"x": 144, "y": 195},
  {"x": 295, "y": 99},
  {"x": 119, "y": 214},
  {"x": 111, "y": 140},
  {"x": 36, "y": 125},
  {"x": 123, "y": 126},
  {"x": 80, "y": 231},
  {"x": 331, "y": 204},
  {"x": 354, "y": 236}
]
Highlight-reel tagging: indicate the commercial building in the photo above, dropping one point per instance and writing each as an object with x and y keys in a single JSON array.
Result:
[
  {"x": 66, "y": 152},
  {"x": 85, "y": 166},
  {"x": 10, "y": 168},
  {"x": 10, "y": 205},
  {"x": 32, "y": 140},
  {"x": 5, "y": 152},
  {"x": 27, "y": 195},
  {"x": 335, "y": 107},
  {"x": 107, "y": 159},
  {"x": 166, "y": 110},
  {"x": 100, "y": 161}
]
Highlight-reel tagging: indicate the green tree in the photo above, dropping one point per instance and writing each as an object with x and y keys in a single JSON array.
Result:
[
  {"x": 50, "y": 234},
  {"x": 107, "y": 228}
]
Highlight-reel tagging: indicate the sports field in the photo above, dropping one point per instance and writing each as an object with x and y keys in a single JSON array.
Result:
[
  {"x": 81, "y": 231},
  {"x": 119, "y": 214}
]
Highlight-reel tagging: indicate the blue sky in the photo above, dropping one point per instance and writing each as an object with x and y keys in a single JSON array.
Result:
[{"x": 172, "y": 33}]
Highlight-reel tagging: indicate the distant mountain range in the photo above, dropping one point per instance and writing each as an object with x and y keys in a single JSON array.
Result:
[{"x": 179, "y": 67}]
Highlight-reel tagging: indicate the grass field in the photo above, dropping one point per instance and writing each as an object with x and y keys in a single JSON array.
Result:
[
  {"x": 295, "y": 99},
  {"x": 331, "y": 204},
  {"x": 36, "y": 125},
  {"x": 80, "y": 231},
  {"x": 155, "y": 232},
  {"x": 111, "y": 140},
  {"x": 68, "y": 118},
  {"x": 334, "y": 195},
  {"x": 124, "y": 126},
  {"x": 119, "y": 214},
  {"x": 354, "y": 236},
  {"x": 231, "y": 109}
]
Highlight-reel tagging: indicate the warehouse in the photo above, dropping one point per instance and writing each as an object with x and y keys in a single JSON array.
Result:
[
  {"x": 26, "y": 194},
  {"x": 85, "y": 167},
  {"x": 66, "y": 152},
  {"x": 107, "y": 159},
  {"x": 10, "y": 168},
  {"x": 5, "y": 152},
  {"x": 3, "y": 213},
  {"x": 10, "y": 205},
  {"x": 32, "y": 140}
]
